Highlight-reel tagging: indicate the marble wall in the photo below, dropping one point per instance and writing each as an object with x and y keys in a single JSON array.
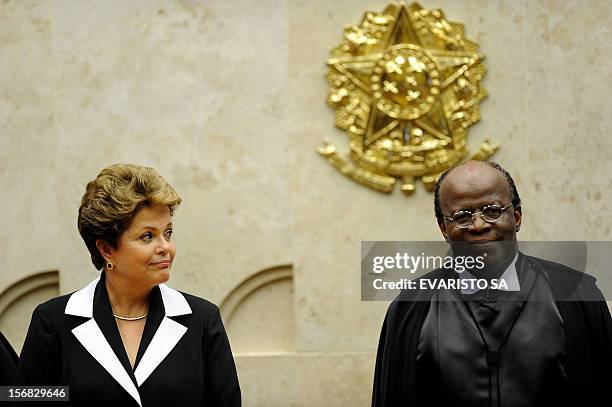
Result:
[{"x": 227, "y": 101}]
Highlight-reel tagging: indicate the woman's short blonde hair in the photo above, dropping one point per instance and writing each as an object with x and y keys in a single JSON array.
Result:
[{"x": 112, "y": 200}]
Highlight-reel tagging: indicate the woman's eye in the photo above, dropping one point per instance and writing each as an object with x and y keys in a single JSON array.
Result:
[
  {"x": 147, "y": 236},
  {"x": 168, "y": 234}
]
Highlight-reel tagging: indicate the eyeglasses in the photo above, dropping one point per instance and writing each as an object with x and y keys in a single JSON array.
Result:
[{"x": 465, "y": 218}]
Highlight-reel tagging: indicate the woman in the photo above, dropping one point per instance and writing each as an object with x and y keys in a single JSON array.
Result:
[{"x": 127, "y": 338}]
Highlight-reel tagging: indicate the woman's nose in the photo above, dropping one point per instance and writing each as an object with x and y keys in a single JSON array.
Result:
[{"x": 163, "y": 245}]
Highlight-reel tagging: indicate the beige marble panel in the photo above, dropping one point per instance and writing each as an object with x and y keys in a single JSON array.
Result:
[
  {"x": 268, "y": 380},
  {"x": 227, "y": 101},
  {"x": 28, "y": 238},
  {"x": 196, "y": 90},
  {"x": 332, "y": 214},
  {"x": 567, "y": 146},
  {"x": 336, "y": 379},
  {"x": 308, "y": 379}
]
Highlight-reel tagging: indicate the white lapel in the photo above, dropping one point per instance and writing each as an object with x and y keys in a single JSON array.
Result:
[
  {"x": 89, "y": 334},
  {"x": 165, "y": 339},
  {"x": 80, "y": 302},
  {"x": 167, "y": 335},
  {"x": 93, "y": 340}
]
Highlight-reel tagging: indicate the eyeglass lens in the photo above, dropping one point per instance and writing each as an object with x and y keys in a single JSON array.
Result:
[{"x": 489, "y": 214}]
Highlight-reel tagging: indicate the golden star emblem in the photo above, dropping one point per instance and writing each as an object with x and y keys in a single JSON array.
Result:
[{"x": 406, "y": 85}]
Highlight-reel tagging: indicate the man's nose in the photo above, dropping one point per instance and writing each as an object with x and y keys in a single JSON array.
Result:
[{"x": 479, "y": 224}]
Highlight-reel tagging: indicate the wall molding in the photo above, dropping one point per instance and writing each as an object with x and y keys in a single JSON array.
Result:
[
  {"x": 251, "y": 284},
  {"x": 27, "y": 285}
]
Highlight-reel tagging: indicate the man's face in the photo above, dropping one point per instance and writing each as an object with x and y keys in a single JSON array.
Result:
[{"x": 473, "y": 186}]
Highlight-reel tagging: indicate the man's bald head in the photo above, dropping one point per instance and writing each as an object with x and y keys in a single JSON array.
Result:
[{"x": 471, "y": 169}]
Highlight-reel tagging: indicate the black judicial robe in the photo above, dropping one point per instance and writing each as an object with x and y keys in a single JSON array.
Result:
[
  {"x": 8, "y": 362},
  {"x": 588, "y": 330},
  {"x": 184, "y": 358}
]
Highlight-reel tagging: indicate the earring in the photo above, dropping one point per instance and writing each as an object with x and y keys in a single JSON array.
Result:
[
  {"x": 517, "y": 228},
  {"x": 109, "y": 266}
]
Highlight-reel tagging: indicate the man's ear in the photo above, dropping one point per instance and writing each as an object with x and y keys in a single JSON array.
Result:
[
  {"x": 106, "y": 250},
  {"x": 442, "y": 227},
  {"x": 518, "y": 216}
]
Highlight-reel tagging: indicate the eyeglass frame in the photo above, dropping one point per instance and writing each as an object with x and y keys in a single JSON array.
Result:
[{"x": 477, "y": 211}]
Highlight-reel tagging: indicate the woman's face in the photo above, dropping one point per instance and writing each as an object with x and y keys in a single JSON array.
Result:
[{"x": 145, "y": 250}]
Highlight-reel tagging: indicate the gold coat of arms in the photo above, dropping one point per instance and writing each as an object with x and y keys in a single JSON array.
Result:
[{"x": 406, "y": 86}]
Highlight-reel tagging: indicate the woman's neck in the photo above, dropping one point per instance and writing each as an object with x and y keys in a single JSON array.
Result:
[{"x": 125, "y": 300}]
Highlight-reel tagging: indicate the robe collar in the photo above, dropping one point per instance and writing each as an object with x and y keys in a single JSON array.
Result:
[
  {"x": 100, "y": 337},
  {"x": 510, "y": 276}
]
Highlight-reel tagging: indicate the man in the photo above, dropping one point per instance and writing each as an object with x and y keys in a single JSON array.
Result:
[
  {"x": 8, "y": 362},
  {"x": 545, "y": 340}
]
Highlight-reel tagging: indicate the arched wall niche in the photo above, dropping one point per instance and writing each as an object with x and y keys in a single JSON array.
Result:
[
  {"x": 259, "y": 313},
  {"x": 19, "y": 300}
]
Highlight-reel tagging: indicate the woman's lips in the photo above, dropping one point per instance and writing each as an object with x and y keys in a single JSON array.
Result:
[{"x": 161, "y": 264}]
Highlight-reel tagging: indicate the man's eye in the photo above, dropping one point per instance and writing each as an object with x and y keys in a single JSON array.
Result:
[
  {"x": 492, "y": 212},
  {"x": 462, "y": 216}
]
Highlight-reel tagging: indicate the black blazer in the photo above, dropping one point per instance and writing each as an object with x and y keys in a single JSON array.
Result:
[
  {"x": 8, "y": 362},
  {"x": 184, "y": 358}
]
